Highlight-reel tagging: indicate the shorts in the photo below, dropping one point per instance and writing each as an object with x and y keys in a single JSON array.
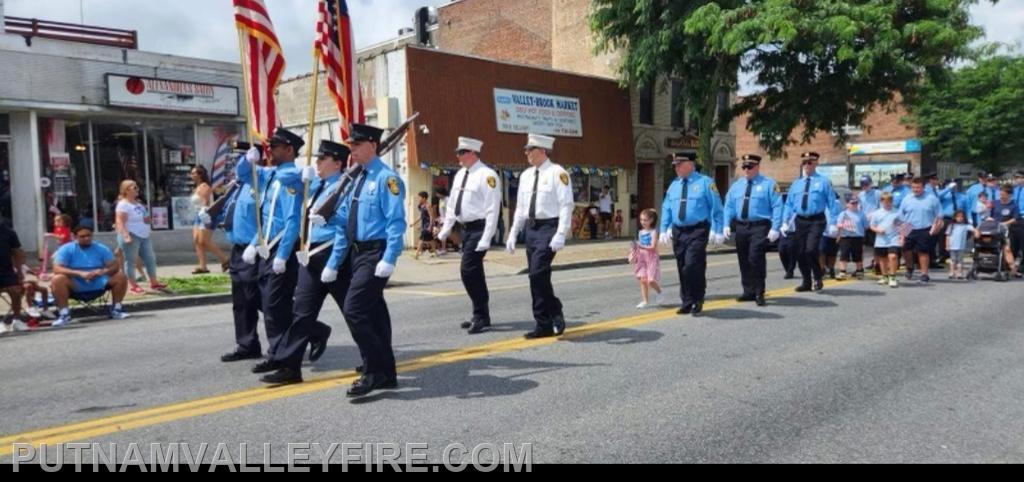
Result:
[
  {"x": 851, "y": 250},
  {"x": 829, "y": 247},
  {"x": 919, "y": 240},
  {"x": 8, "y": 280},
  {"x": 886, "y": 252},
  {"x": 606, "y": 217},
  {"x": 87, "y": 295},
  {"x": 426, "y": 235}
]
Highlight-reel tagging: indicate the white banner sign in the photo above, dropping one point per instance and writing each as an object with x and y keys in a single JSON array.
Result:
[
  {"x": 521, "y": 112},
  {"x": 157, "y": 94},
  {"x": 897, "y": 147}
]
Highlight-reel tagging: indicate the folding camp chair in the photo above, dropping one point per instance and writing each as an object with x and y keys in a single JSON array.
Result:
[{"x": 96, "y": 303}]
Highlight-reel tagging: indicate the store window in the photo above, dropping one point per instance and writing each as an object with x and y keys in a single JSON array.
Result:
[
  {"x": 67, "y": 175},
  {"x": 586, "y": 186},
  {"x": 646, "y": 100},
  {"x": 119, "y": 155},
  {"x": 5, "y": 125},
  {"x": 169, "y": 187}
]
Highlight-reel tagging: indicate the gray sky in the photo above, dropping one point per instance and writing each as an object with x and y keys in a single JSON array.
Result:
[{"x": 205, "y": 28}]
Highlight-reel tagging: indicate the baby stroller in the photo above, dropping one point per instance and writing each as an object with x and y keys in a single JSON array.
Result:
[{"x": 988, "y": 251}]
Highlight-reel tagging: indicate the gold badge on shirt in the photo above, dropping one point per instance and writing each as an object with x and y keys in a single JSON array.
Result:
[
  {"x": 564, "y": 178},
  {"x": 291, "y": 191},
  {"x": 393, "y": 186},
  {"x": 492, "y": 182}
]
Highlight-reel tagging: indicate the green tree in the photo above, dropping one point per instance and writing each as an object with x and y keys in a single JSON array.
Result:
[
  {"x": 976, "y": 115},
  {"x": 821, "y": 64}
]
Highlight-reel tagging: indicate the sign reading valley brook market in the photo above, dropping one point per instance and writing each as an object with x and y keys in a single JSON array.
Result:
[
  {"x": 174, "y": 95},
  {"x": 521, "y": 112}
]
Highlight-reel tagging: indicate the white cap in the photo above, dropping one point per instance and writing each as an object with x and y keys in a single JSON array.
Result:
[
  {"x": 543, "y": 142},
  {"x": 470, "y": 144}
]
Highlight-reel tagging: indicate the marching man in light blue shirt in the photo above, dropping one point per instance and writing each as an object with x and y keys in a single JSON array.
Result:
[
  {"x": 754, "y": 205},
  {"x": 813, "y": 201},
  {"x": 924, "y": 214}
]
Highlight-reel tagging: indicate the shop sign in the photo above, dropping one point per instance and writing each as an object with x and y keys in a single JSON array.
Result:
[
  {"x": 521, "y": 112},
  {"x": 172, "y": 95}
]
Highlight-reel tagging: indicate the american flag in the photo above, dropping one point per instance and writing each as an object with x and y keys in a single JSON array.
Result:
[
  {"x": 262, "y": 62},
  {"x": 334, "y": 46}
]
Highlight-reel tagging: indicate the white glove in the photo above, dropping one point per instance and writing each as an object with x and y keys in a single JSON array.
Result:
[
  {"x": 483, "y": 245},
  {"x": 665, "y": 239},
  {"x": 279, "y": 266},
  {"x": 443, "y": 235},
  {"x": 384, "y": 269},
  {"x": 951, "y": 185},
  {"x": 308, "y": 174},
  {"x": 557, "y": 243},
  {"x": 785, "y": 228},
  {"x": 253, "y": 155},
  {"x": 727, "y": 232},
  {"x": 317, "y": 220},
  {"x": 303, "y": 257},
  {"x": 263, "y": 251},
  {"x": 833, "y": 231},
  {"x": 717, "y": 239},
  {"x": 204, "y": 216},
  {"x": 773, "y": 236},
  {"x": 249, "y": 256},
  {"x": 510, "y": 244},
  {"x": 328, "y": 276}
]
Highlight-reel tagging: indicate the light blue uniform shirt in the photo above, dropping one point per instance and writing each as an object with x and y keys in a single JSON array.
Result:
[
  {"x": 920, "y": 211},
  {"x": 285, "y": 181},
  {"x": 765, "y": 202},
  {"x": 887, "y": 220},
  {"x": 821, "y": 198},
  {"x": 957, "y": 235},
  {"x": 243, "y": 227},
  {"x": 1018, "y": 197},
  {"x": 703, "y": 204},
  {"x": 870, "y": 201},
  {"x": 899, "y": 194},
  {"x": 858, "y": 222},
  {"x": 327, "y": 232},
  {"x": 96, "y": 256},
  {"x": 381, "y": 215}
]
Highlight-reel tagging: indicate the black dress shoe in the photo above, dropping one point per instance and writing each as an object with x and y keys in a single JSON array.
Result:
[
  {"x": 367, "y": 384},
  {"x": 559, "y": 325},
  {"x": 698, "y": 308},
  {"x": 360, "y": 369},
  {"x": 479, "y": 327},
  {"x": 284, "y": 376},
  {"x": 760, "y": 301},
  {"x": 239, "y": 355},
  {"x": 746, "y": 298},
  {"x": 319, "y": 346},
  {"x": 685, "y": 310},
  {"x": 819, "y": 285},
  {"x": 267, "y": 367},
  {"x": 466, "y": 325},
  {"x": 803, "y": 288},
  {"x": 546, "y": 332},
  {"x": 789, "y": 275}
]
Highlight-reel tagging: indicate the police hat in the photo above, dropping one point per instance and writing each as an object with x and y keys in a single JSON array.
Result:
[
  {"x": 899, "y": 176},
  {"x": 283, "y": 136},
  {"x": 931, "y": 175},
  {"x": 865, "y": 179},
  {"x": 339, "y": 152},
  {"x": 364, "y": 133},
  {"x": 810, "y": 156},
  {"x": 751, "y": 159},
  {"x": 1018, "y": 174},
  {"x": 851, "y": 197},
  {"x": 681, "y": 157}
]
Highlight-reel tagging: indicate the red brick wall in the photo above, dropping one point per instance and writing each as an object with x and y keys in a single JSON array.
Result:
[
  {"x": 880, "y": 126},
  {"x": 517, "y": 31}
]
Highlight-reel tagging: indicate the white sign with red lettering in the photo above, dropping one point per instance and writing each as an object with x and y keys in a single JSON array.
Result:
[{"x": 174, "y": 95}]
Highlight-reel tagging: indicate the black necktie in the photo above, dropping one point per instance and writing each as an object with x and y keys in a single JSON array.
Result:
[
  {"x": 682, "y": 201},
  {"x": 316, "y": 195},
  {"x": 807, "y": 193},
  {"x": 263, "y": 198},
  {"x": 745, "y": 214},
  {"x": 353, "y": 212},
  {"x": 533, "y": 197},
  {"x": 458, "y": 202}
]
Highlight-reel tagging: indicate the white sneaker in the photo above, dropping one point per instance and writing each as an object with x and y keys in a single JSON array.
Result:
[
  {"x": 659, "y": 300},
  {"x": 19, "y": 325},
  {"x": 893, "y": 283},
  {"x": 642, "y": 305},
  {"x": 62, "y": 320},
  {"x": 119, "y": 314},
  {"x": 883, "y": 281},
  {"x": 6, "y": 328},
  {"x": 34, "y": 312}
]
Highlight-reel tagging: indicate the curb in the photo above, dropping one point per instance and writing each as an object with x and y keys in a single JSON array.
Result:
[{"x": 614, "y": 262}]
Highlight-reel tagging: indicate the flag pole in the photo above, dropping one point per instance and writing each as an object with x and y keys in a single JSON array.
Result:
[
  {"x": 258, "y": 136},
  {"x": 309, "y": 151}
]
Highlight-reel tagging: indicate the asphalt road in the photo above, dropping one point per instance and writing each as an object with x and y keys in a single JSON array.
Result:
[{"x": 856, "y": 373}]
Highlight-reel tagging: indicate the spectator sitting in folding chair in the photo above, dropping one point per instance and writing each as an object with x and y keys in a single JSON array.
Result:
[
  {"x": 11, "y": 259},
  {"x": 85, "y": 271}
]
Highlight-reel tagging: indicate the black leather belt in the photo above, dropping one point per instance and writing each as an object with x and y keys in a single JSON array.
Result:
[
  {"x": 750, "y": 224},
  {"x": 687, "y": 229},
  {"x": 816, "y": 217},
  {"x": 361, "y": 246},
  {"x": 534, "y": 223},
  {"x": 479, "y": 224}
]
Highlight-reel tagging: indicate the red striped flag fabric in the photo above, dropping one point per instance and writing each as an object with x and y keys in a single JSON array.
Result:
[
  {"x": 263, "y": 65},
  {"x": 335, "y": 45}
]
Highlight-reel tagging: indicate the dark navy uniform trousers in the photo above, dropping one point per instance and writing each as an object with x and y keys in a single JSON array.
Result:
[
  {"x": 809, "y": 231},
  {"x": 310, "y": 294},
  {"x": 276, "y": 293},
  {"x": 365, "y": 311},
  {"x": 245, "y": 300},
  {"x": 752, "y": 251},
  {"x": 546, "y": 306},
  {"x": 473, "y": 277},
  {"x": 690, "y": 245}
]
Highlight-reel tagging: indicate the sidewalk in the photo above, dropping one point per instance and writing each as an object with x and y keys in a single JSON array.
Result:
[{"x": 410, "y": 272}]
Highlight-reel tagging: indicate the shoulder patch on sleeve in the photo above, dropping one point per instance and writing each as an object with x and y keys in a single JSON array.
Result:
[
  {"x": 714, "y": 187},
  {"x": 778, "y": 190},
  {"x": 492, "y": 181},
  {"x": 393, "y": 186},
  {"x": 564, "y": 178}
]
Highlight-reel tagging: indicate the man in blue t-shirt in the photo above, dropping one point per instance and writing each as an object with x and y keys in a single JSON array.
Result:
[{"x": 85, "y": 270}]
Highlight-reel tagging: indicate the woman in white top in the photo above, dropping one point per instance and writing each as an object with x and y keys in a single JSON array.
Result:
[
  {"x": 202, "y": 238},
  {"x": 133, "y": 229}
]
